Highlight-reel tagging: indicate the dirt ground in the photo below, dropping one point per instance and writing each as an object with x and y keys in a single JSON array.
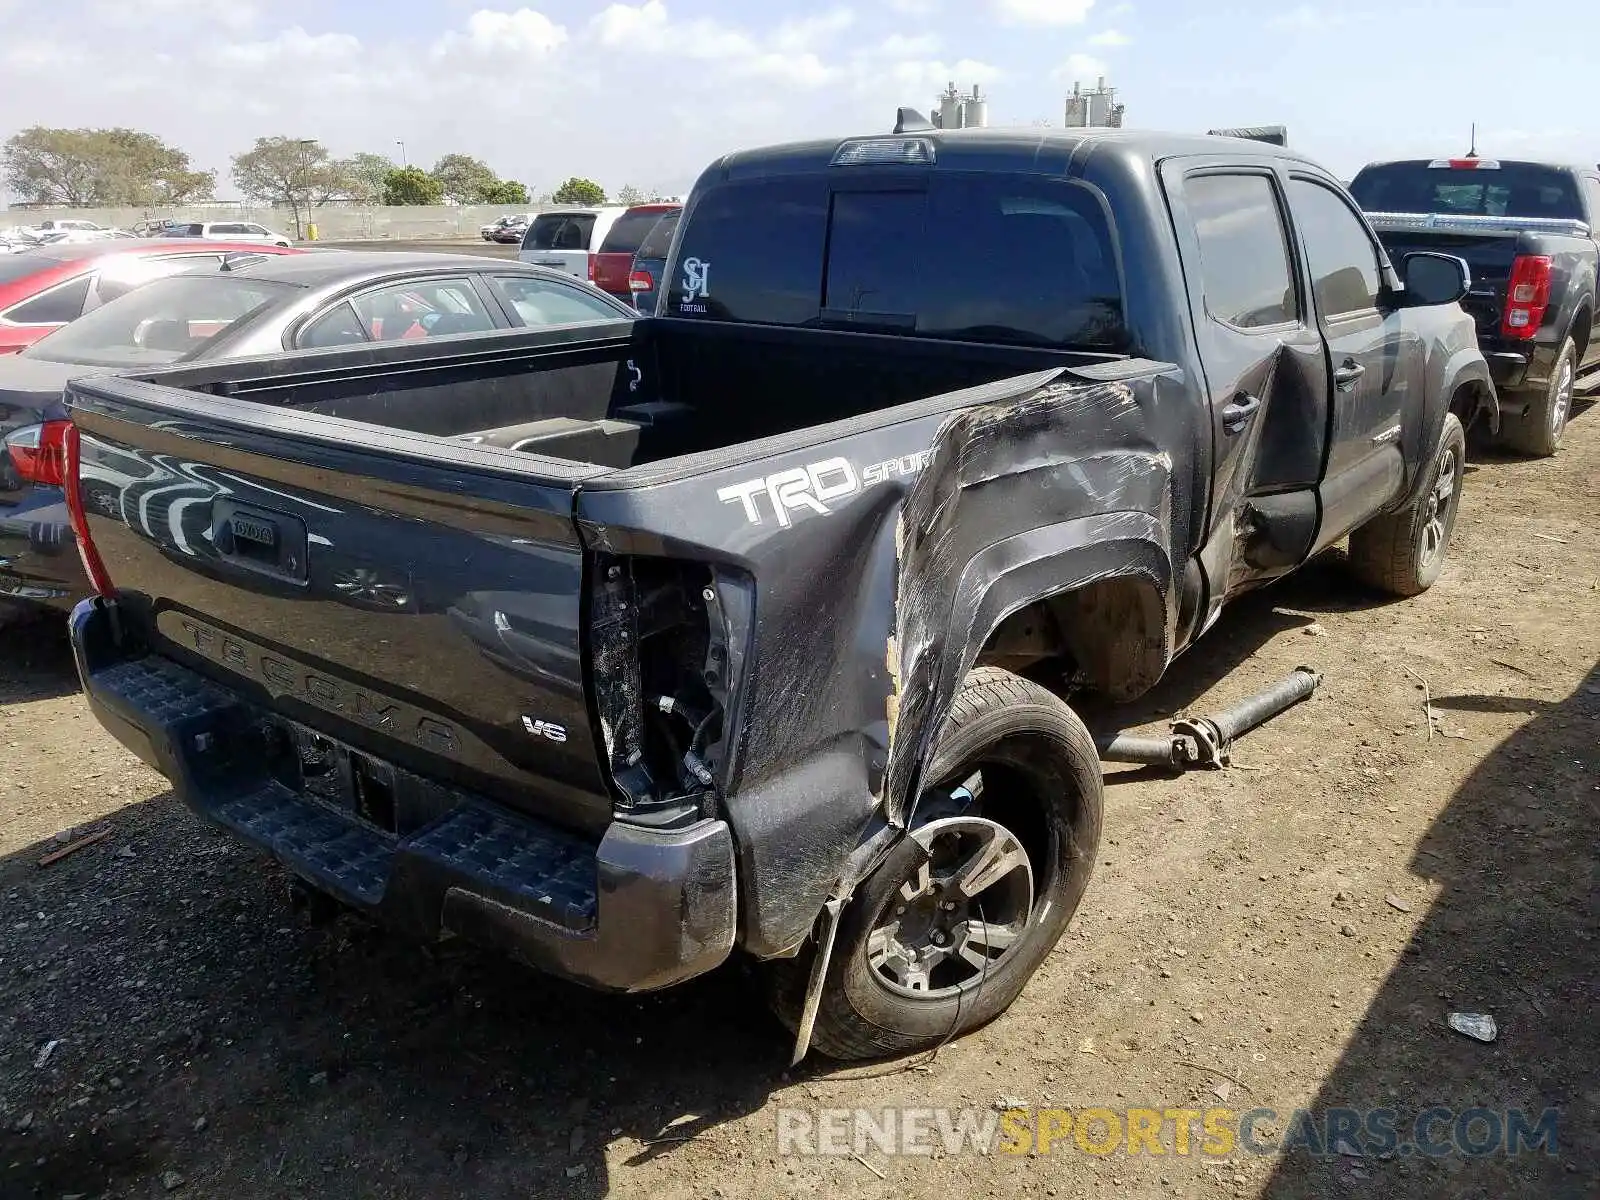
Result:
[{"x": 1290, "y": 934}]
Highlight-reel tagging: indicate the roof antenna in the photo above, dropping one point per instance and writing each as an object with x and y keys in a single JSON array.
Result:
[{"x": 1472, "y": 150}]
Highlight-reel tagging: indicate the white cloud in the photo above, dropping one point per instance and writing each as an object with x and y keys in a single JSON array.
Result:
[
  {"x": 1043, "y": 12},
  {"x": 1304, "y": 19},
  {"x": 293, "y": 45},
  {"x": 226, "y": 14},
  {"x": 524, "y": 32},
  {"x": 1081, "y": 68},
  {"x": 908, "y": 45},
  {"x": 1110, "y": 38}
]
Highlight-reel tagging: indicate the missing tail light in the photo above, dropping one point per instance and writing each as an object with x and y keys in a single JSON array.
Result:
[
  {"x": 663, "y": 674},
  {"x": 72, "y": 454}
]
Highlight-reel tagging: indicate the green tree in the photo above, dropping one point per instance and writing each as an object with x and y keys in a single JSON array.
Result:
[
  {"x": 630, "y": 195},
  {"x": 506, "y": 191},
  {"x": 365, "y": 174},
  {"x": 463, "y": 179},
  {"x": 580, "y": 191},
  {"x": 411, "y": 185},
  {"x": 296, "y": 172},
  {"x": 100, "y": 166}
]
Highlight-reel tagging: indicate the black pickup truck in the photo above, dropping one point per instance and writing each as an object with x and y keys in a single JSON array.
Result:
[
  {"x": 1527, "y": 233},
  {"x": 748, "y": 625}
]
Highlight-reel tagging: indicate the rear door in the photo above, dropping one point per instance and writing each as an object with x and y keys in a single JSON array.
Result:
[
  {"x": 560, "y": 241},
  {"x": 1266, "y": 370},
  {"x": 1373, "y": 360}
]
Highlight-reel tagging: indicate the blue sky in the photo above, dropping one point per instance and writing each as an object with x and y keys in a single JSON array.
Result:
[{"x": 648, "y": 91}]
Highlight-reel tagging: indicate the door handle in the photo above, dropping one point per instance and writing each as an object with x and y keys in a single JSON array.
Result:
[
  {"x": 1237, "y": 414},
  {"x": 1348, "y": 375}
]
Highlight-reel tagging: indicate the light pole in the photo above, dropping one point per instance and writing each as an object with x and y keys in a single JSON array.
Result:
[
  {"x": 305, "y": 145},
  {"x": 402, "y": 145}
]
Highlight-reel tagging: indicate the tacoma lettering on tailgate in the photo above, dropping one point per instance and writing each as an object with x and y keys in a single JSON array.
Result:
[{"x": 284, "y": 676}]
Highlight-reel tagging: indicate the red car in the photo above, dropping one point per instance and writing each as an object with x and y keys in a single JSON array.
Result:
[
  {"x": 45, "y": 288},
  {"x": 610, "y": 268}
]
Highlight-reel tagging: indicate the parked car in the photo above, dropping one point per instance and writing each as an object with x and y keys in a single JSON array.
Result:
[
  {"x": 276, "y": 301},
  {"x": 231, "y": 231},
  {"x": 507, "y": 230},
  {"x": 567, "y": 239},
  {"x": 16, "y": 238},
  {"x": 1527, "y": 231},
  {"x": 162, "y": 227},
  {"x": 55, "y": 284},
  {"x": 613, "y": 264},
  {"x": 70, "y": 237},
  {"x": 751, "y": 624},
  {"x": 68, "y": 225},
  {"x": 650, "y": 263}
]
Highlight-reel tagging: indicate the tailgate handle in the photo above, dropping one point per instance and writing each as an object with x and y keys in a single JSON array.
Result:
[{"x": 260, "y": 540}]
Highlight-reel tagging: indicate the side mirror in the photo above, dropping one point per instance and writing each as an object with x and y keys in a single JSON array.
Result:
[{"x": 1431, "y": 279}]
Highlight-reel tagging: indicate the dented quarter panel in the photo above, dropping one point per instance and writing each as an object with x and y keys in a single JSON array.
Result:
[{"x": 1026, "y": 493}]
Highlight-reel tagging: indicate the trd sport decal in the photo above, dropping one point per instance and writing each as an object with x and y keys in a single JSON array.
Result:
[{"x": 812, "y": 488}]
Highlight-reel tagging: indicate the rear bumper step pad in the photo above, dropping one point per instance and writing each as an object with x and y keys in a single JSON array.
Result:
[{"x": 644, "y": 909}]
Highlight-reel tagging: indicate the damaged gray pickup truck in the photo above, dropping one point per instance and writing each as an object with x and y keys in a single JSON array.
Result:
[{"x": 746, "y": 626}]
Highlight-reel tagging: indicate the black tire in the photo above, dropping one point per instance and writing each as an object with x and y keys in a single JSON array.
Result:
[
  {"x": 1539, "y": 430},
  {"x": 1021, "y": 734},
  {"x": 1402, "y": 553}
]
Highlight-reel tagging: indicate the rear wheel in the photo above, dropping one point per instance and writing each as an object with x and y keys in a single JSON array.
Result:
[
  {"x": 1540, "y": 430},
  {"x": 1402, "y": 553},
  {"x": 943, "y": 936}
]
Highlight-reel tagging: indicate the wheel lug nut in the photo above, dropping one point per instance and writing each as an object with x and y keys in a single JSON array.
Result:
[
  {"x": 937, "y": 938},
  {"x": 900, "y": 910}
]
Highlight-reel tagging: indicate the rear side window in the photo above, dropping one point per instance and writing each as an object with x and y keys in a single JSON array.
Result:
[
  {"x": 1244, "y": 256},
  {"x": 629, "y": 232},
  {"x": 1344, "y": 264},
  {"x": 59, "y": 305},
  {"x": 658, "y": 242},
  {"x": 560, "y": 231},
  {"x": 1505, "y": 190},
  {"x": 993, "y": 258},
  {"x": 195, "y": 230}
]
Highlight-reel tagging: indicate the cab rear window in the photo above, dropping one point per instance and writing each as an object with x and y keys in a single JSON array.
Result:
[
  {"x": 1498, "y": 190},
  {"x": 1016, "y": 260},
  {"x": 559, "y": 231}
]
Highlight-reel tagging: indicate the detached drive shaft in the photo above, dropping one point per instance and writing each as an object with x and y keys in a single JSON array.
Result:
[{"x": 1206, "y": 741}]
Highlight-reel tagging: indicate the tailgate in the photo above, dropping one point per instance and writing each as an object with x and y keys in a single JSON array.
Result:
[
  {"x": 1488, "y": 245},
  {"x": 411, "y": 600},
  {"x": 571, "y": 262}
]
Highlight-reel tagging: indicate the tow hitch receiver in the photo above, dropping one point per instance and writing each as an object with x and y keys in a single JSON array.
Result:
[{"x": 1205, "y": 742}]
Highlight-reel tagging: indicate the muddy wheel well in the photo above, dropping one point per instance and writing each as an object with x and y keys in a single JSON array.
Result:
[
  {"x": 1582, "y": 324},
  {"x": 1109, "y": 635},
  {"x": 1470, "y": 403}
]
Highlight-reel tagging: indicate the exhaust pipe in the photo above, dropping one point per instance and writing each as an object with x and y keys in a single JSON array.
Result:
[{"x": 1206, "y": 742}]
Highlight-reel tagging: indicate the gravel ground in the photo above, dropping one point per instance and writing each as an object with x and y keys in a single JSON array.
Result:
[{"x": 1290, "y": 933}]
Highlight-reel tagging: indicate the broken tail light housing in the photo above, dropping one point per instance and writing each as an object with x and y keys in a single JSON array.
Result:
[
  {"x": 1527, "y": 296},
  {"x": 38, "y": 452},
  {"x": 93, "y": 567}
]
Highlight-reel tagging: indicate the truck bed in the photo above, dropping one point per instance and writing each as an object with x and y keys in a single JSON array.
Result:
[{"x": 614, "y": 396}]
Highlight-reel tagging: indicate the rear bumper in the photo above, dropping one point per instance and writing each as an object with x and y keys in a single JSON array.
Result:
[
  {"x": 643, "y": 909},
  {"x": 1518, "y": 366},
  {"x": 38, "y": 556}
]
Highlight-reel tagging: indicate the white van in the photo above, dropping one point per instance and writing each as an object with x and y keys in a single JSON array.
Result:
[{"x": 566, "y": 239}]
